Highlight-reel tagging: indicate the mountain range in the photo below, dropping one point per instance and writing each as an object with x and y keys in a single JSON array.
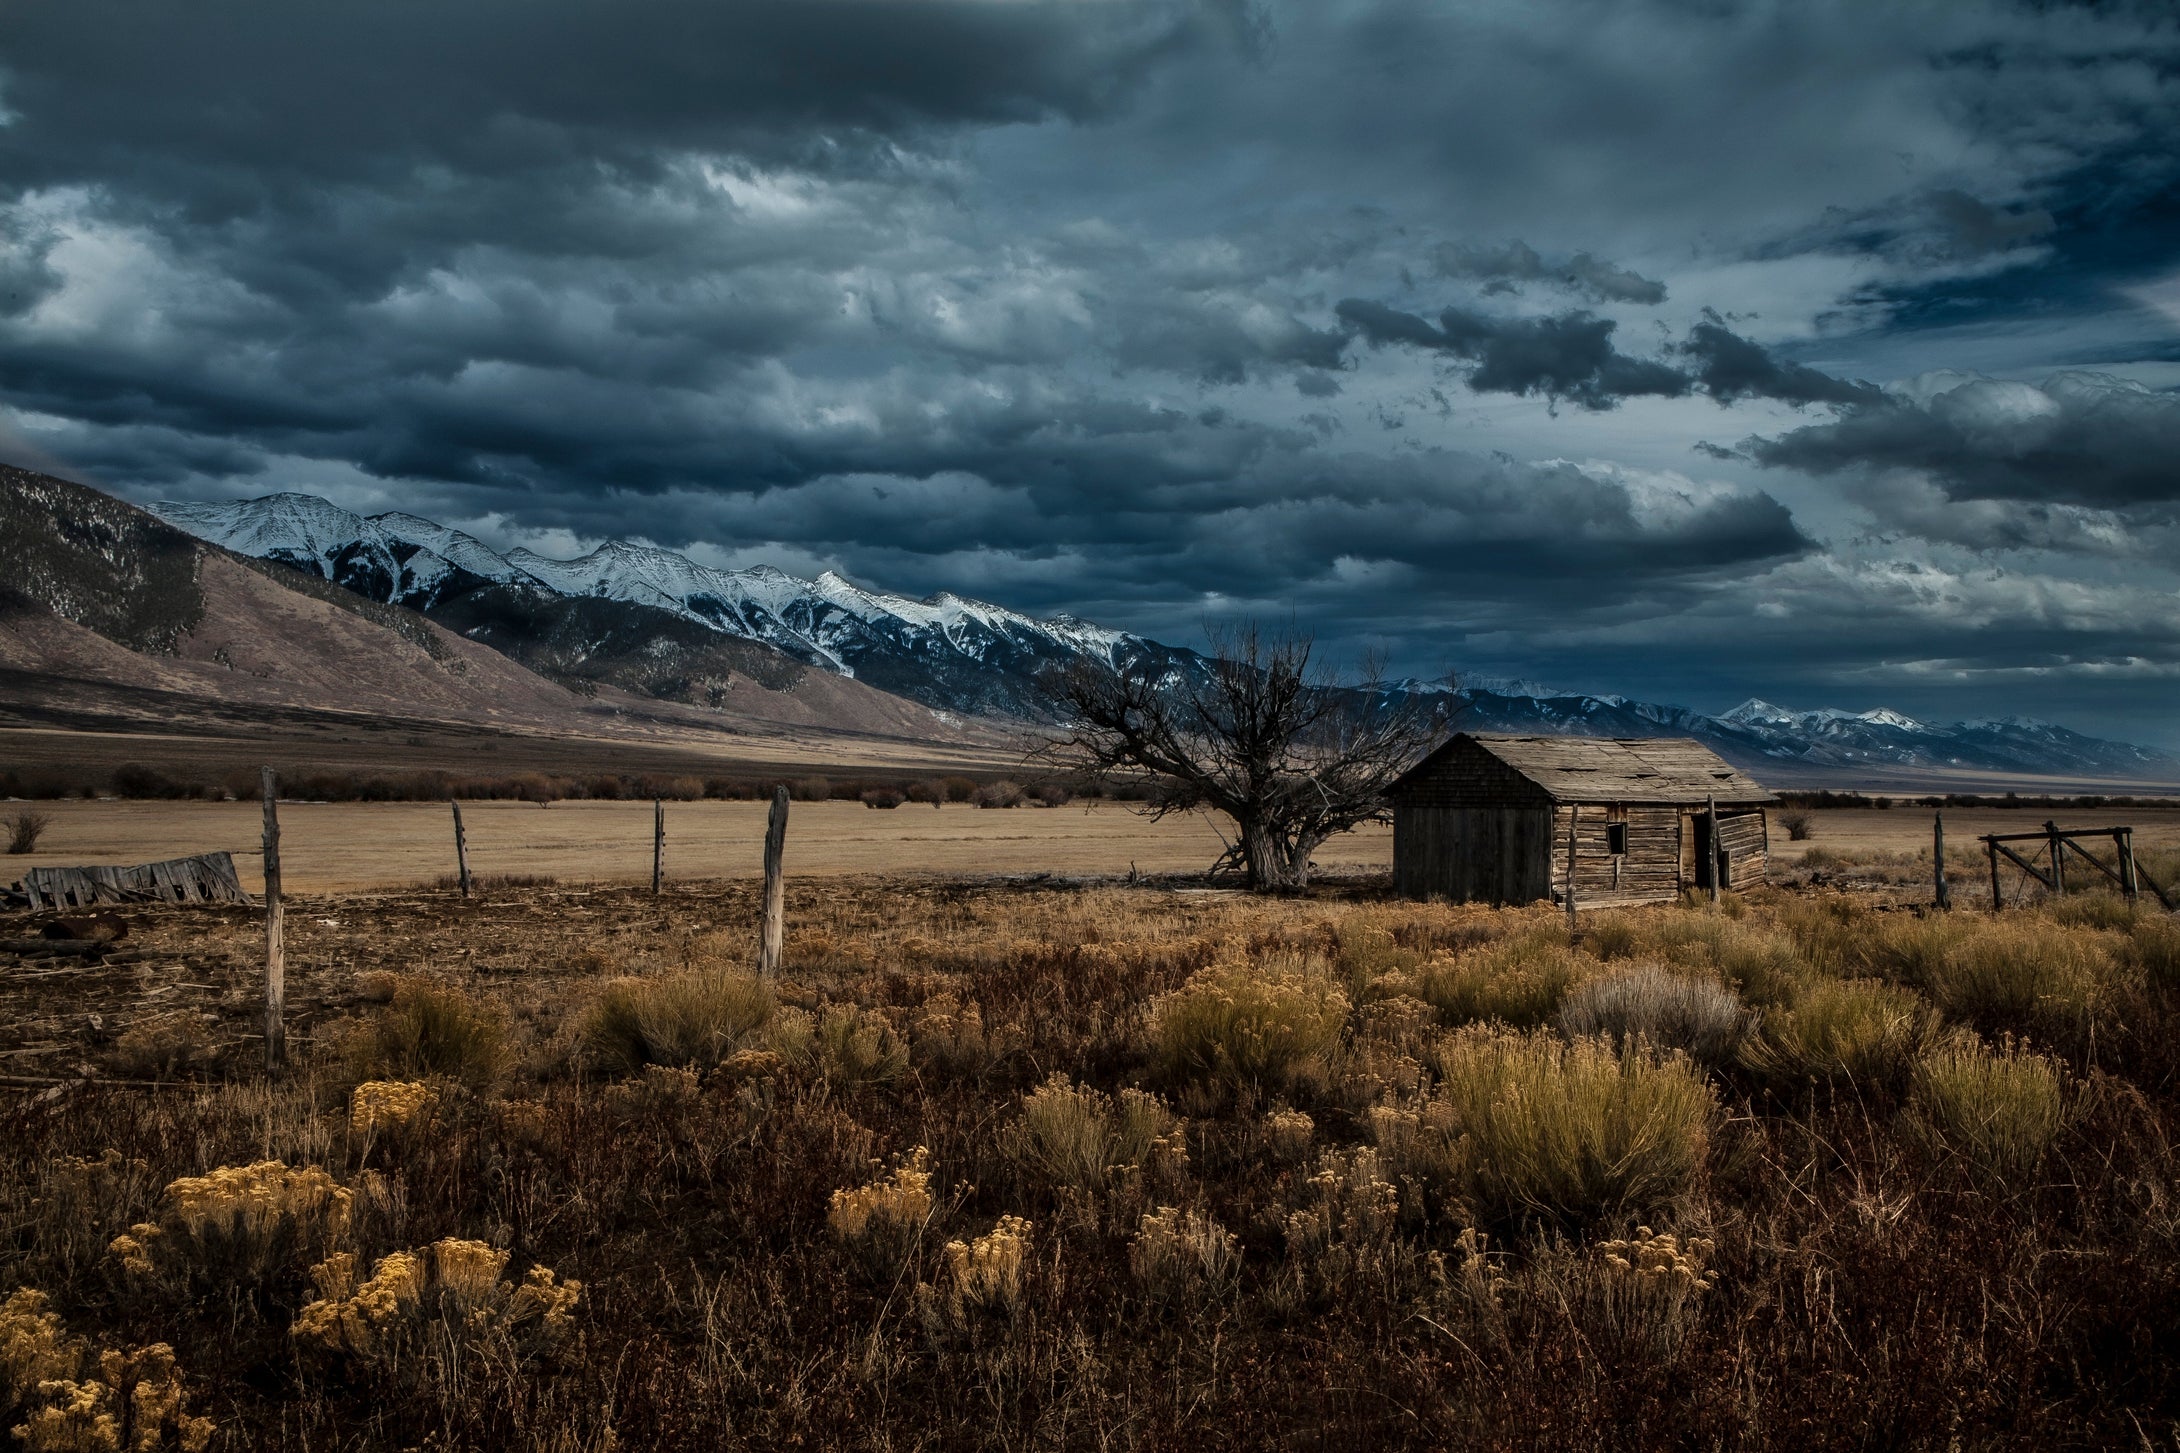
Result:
[
  {"x": 649, "y": 621},
  {"x": 112, "y": 619}
]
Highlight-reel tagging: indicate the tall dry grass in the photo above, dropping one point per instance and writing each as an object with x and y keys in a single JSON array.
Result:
[{"x": 872, "y": 1216}]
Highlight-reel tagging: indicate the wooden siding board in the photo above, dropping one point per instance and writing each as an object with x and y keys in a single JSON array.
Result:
[
  {"x": 208, "y": 877},
  {"x": 1468, "y": 855}
]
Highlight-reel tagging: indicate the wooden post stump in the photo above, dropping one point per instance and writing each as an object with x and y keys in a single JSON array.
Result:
[
  {"x": 276, "y": 947},
  {"x": 774, "y": 936},
  {"x": 461, "y": 848}
]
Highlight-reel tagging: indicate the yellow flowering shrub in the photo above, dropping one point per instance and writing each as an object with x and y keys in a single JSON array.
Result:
[
  {"x": 459, "y": 1284},
  {"x": 72, "y": 1399},
  {"x": 986, "y": 1274},
  {"x": 386, "y": 1105},
  {"x": 1643, "y": 1289},
  {"x": 1657, "y": 1259},
  {"x": 1177, "y": 1255},
  {"x": 902, "y": 1199},
  {"x": 237, "y": 1223},
  {"x": 1288, "y": 1133},
  {"x": 880, "y": 1223}
]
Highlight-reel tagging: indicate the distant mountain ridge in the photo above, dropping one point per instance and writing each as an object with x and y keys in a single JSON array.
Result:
[{"x": 637, "y": 616}]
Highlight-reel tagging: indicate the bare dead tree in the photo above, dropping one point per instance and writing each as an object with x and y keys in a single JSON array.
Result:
[{"x": 1264, "y": 735}]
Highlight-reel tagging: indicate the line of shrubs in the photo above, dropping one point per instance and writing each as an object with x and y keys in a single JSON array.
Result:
[
  {"x": 137, "y": 781},
  {"x": 1830, "y": 799}
]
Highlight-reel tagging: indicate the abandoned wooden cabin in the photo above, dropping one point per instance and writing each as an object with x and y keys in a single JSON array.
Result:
[{"x": 1486, "y": 819}]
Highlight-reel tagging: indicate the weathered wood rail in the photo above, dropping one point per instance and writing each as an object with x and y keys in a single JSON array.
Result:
[
  {"x": 205, "y": 878},
  {"x": 2129, "y": 877}
]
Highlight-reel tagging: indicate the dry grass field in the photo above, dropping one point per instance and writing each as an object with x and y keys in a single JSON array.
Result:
[
  {"x": 353, "y": 847},
  {"x": 1034, "y": 1164},
  {"x": 346, "y": 847}
]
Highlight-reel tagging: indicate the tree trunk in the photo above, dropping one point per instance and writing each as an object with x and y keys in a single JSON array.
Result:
[{"x": 1271, "y": 868}]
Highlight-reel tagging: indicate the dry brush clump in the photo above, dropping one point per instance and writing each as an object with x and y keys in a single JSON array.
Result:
[
  {"x": 1248, "y": 1026},
  {"x": 1524, "y": 1129},
  {"x": 691, "y": 1018},
  {"x": 1648, "y": 1006}
]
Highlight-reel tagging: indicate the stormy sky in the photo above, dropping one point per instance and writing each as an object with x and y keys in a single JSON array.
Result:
[{"x": 1689, "y": 349}]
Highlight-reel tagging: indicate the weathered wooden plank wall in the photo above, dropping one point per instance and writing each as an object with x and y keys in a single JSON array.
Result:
[
  {"x": 1650, "y": 868},
  {"x": 205, "y": 878},
  {"x": 1746, "y": 839},
  {"x": 1472, "y": 854}
]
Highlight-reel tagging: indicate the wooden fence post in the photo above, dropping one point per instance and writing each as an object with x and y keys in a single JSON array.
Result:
[
  {"x": 2058, "y": 859},
  {"x": 1573, "y": 811},
  {"x": 658, "y": 844},
  {"x": 1997, "y": 902},
  {"x": 276, "y": 947},
  {"x": 2124, "y": 840},
  {"x": 775, "y": 925},
  {"x": 1710, "y": 810},
  {"x": 461, "y": 848},
  {"x": 1937, "y": 858}
]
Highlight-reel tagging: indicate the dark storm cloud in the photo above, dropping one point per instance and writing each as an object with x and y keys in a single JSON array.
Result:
[
  {"x": 1571, "y": 356},
  {"x": 242, "y": 94},
  {"x": 2078, "y": 438},
  {"x": 1730, "y": 367},
  {"x": 1518, "y": 262}
]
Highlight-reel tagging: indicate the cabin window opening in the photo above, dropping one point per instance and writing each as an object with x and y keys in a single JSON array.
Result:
[{"x": 1616, "y": 837}]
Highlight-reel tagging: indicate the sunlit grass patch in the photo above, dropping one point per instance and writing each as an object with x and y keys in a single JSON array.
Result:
[
  {"x": 1570, "y": 1135},
  {"x": 2000, "y": 1110},
  {"x": 1242, "y": 1025},
  {"x": 689, "y": 1018},
  {"x": 1859, "y": 1031}
]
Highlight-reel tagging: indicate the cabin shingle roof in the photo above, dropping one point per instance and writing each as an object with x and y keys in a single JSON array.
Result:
[{"x": 1608, "y": 769}]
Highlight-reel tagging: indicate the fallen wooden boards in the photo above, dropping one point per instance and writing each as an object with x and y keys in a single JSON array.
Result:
[{"x": 205, "y": 878}]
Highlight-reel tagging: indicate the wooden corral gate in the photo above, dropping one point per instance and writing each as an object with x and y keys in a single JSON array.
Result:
[
  {"x": 1511, "y": 819},
  {"x": 2057, "y": 843},
  {"x": 205, "y": 878}
]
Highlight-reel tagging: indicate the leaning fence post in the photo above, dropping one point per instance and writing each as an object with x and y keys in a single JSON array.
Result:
[
  {"x": 2123, "y": 838},
  {"x": 1937, "y": 858},
  {"x": 1573, "y": 811},
  {"x": 276, "y": 948},
  {"x": 461, "y": 848},
  {"x": 1710, "y": 811},
  {"x": 658, "y": 844},
  {"x": 775, "y": 926},
  {"x": 2058, "y": 859}
]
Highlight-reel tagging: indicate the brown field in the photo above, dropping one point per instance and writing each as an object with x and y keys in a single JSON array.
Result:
[
  {"x": 348, "y": 847},
  {"x": 1816, "y": 1169},
  {"x": 353, "y": 847}
]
